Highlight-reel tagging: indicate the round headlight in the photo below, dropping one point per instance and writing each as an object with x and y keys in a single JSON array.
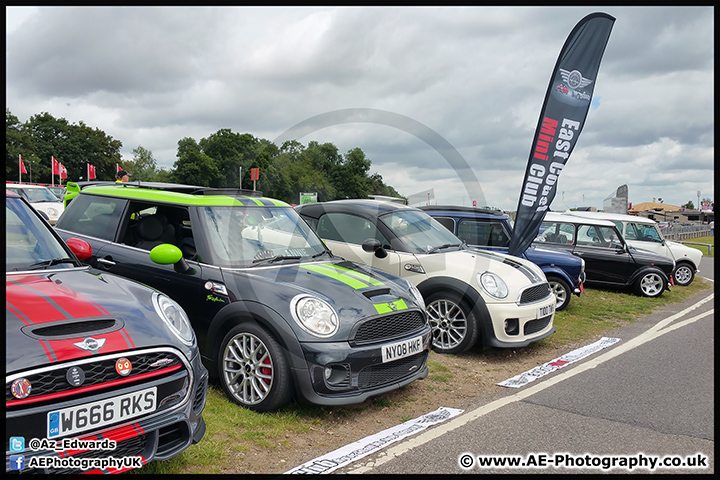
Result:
[
  {"x": 315, "y": 316},
  {"x": 493, "y": 285},
  {"x": 52, "y": 212},
  {"x": 174, "y": 317},
  {"x": 417, "y": 295}
]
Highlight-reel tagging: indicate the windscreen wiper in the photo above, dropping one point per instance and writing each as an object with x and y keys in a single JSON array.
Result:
[
  {"x": 276, "y": 258},
  {"x": 50, "y": 263},
  {"x": 441, "y": 247}
]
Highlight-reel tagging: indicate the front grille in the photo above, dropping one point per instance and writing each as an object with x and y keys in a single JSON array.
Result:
[
  {"x": 389, "y": 326},
  {"x": 383, "y": 374},
  {"x": 97, "y": 372},
  {"x": 534, "y": 326},
  {"x": 535, "y": 293}
]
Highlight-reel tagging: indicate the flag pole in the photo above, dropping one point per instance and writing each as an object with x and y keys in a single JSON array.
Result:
[
  {"x": 19, "y": 168},
  {"x": 52, "y": 171}
]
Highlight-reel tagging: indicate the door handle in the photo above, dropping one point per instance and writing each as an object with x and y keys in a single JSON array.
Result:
[{"x": 106, "y": 262}]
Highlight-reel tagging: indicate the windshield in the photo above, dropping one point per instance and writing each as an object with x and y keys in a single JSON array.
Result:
[
  {"x": 241, "y": 236},
  {"x": 29, "y": 245},
  {"x": 419, "y": 231},
  {"x": 35, "y": 195}
]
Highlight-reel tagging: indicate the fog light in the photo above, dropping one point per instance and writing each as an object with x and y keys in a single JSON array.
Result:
[
  {"x": 337, "y": 375},
  {"x": 512, "y": 326}
]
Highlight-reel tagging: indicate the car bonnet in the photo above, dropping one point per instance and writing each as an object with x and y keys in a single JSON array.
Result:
[
  {"x": 66, "y": 315},
  {"x": 354, "y": 291}
]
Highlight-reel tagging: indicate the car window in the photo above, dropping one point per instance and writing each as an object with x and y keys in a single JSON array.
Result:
[
  {"x": 94, "y": 216},
  {"x": 446, "y": 222},
  {"x": 147, "y": 225},
  {"x": 597, "y": 236},
  {"x": 556, "y": 232},
  {"x": 651, "y": 234},
  {"x": 27, "y": 240},
  {"x": 348, "y": 228},
  {"x": 485, "y": 234},
  {"x": 418, "y": 231},
  {"x": 37, "y": 195},
  {"x": 244, "y": 235}
]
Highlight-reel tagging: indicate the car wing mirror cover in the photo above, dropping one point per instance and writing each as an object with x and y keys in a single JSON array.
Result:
[{"x": 373, "y": 245}]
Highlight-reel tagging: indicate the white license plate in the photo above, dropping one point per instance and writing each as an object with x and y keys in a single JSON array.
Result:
[
  {"x": 545, "y": 311},
  {"x": 395, "y": 351},
  {"x": 73, "y": 420}
]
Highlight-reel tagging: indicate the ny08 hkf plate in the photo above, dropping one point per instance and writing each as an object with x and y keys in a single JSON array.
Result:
[{"x": 406, "y": 348}]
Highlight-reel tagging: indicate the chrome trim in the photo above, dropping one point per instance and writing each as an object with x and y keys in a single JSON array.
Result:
[{"x": 42, "y": 272}]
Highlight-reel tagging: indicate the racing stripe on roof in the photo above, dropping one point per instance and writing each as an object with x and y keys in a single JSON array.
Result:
[{"x": 333, "y": 272}]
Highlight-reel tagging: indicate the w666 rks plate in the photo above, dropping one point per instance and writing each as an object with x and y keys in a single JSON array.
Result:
[{"x": 73, "y": 420}]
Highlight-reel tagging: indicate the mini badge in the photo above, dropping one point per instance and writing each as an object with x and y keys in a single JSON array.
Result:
[
  {"x": 123, "y": 366},
  {"x": 90, "y": 344},
  {"x": 75, "y": 376},
  {"x": 21, "y": 388}
]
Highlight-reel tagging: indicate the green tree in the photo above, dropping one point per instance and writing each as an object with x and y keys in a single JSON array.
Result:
[
  {"x": 194, "y": 167},
  {"x": 689, "y": 205},
  {"x": 18, "y": 142},
  {"x": 143, "y": 166}
]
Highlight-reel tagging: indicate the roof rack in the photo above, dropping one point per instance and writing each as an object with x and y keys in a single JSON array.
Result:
[{"x": 178, "y": 188}]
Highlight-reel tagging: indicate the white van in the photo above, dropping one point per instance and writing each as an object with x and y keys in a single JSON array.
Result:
[{"x": 643, "y": 233}]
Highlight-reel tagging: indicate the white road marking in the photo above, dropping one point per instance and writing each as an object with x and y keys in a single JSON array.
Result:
[{"x": 654, "y": 332}]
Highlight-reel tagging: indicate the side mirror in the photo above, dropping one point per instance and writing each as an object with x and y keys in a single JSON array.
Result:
[
  {"x": 620, "y": 249},
  {"x": 167, "y": 254},
  {"x": 80, "y": 248},
  {"x": 373, "y": 245}
]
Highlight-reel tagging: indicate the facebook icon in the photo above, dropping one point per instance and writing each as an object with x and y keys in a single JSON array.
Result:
[{"x": 17, "y": 462}]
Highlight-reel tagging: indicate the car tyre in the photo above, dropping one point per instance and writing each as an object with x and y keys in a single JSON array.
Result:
[
  {"x": 650, "y": 284},
  {"x": 684, "y": 274},
  {"x": 253, "y": 368},
  {"x": 454, "y": 325},
  {"x": 561, "y": 290}
]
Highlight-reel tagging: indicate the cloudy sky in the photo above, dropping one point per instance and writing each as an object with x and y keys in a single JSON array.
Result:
[{"x": 396, "y": 82}]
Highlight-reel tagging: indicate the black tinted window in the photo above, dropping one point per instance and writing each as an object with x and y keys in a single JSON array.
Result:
[{"x": 93, "y": 216}]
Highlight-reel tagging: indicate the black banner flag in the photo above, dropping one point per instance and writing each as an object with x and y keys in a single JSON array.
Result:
[{"x": 562, "y": 117}]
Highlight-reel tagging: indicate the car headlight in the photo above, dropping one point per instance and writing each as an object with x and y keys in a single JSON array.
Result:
[
  {"x": 492, "y": 284},
  {"x": 315, "y": 316},
  {"x": 416, "y": 295},
  {"x": 174, "y": 317},
  {"x": 52, "y": 212}
]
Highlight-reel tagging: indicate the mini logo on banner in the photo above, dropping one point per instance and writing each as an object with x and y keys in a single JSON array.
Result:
[{"x": 571, "y": 90}]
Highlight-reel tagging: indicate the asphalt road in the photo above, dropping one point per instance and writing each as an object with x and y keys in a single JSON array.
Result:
[{"x": 649, "y": 397}]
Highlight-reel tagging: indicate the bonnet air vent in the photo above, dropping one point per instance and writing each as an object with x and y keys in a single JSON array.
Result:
[
  {"x": 376, "y": 292},
  {"x": 73, "y": 328}
]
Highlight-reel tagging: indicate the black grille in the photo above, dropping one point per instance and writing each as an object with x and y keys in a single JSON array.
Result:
[
  {"x": 535, "y": 293},
  {"x": 378, "y": 375},
  {"x": 534, "y": 326},
  {"x": 199, "y": 399},
  {"x": 96, "y": 373},
  {"x": 389, "y": 326}
]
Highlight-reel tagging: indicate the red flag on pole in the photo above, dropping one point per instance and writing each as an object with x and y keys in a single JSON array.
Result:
[
  {"x": 55, "y": 166},
  {"x": 22, "y": 165},
  {"x": 91, "y": 171},
  {"x": 118, "y": 167},
  {"x": 63, "y": 171}
]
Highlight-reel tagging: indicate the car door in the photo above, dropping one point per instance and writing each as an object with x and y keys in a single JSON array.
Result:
[
  {"x": 646, "y": 237},
  {"x": 606, "y": 261},
  {"x": 344, "y": 233},
  {"x": 129, "y": 257}
]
